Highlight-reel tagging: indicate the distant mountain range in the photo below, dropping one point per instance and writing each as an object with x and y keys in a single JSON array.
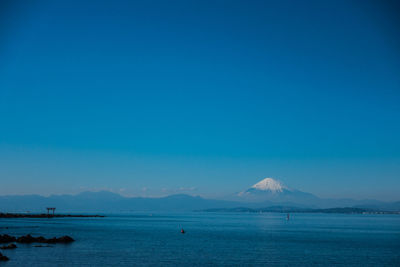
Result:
[
  {"x": 105, "y": 201},
  {"x": 262, "y": 196}
]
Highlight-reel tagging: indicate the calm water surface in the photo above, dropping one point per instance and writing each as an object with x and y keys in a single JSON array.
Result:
[{"x": 211, "y": 239}]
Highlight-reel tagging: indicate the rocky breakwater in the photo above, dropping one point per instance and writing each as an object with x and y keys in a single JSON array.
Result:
[{"x": 28, "y": 239}]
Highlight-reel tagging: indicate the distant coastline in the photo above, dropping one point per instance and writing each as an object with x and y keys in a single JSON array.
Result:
[
  {"x": 43, "y": 215},
  {"x": 278, "y": 209}
]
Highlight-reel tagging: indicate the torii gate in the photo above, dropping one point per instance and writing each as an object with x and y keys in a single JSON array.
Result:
[{"x": 50, "y": 209}]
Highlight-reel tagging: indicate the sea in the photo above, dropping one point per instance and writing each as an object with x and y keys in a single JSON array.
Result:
[{"x": 210, "y": 239}]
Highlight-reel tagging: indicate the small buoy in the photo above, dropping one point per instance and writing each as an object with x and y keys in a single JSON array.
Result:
[{"x": 182, "y": 231}]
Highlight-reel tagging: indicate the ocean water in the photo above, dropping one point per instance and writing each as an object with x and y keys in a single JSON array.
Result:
[{"x": 222, "y": 239}]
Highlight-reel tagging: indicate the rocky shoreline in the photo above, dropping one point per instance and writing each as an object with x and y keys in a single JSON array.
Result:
[
  {"x": 28, "y": 239},
  {"x": 43, "y": 215}
]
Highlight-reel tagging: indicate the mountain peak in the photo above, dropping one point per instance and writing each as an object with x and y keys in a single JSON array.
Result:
[
  {"x": 273, "y": 190},
  {"x": 269, "y": 184}
]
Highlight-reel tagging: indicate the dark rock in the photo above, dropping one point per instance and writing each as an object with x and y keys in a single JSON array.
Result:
[
  {"x": 65, "y": 239},
  {"x": 10, "y": 246},
  {"x": 3, "y": 258},
  {"x": 27, "y": 239},
  {"x": 7, "y": 239}
]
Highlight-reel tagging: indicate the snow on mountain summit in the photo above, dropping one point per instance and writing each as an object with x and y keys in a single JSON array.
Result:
[
  {"x": 269, "y": 184},
  {"x": 273, "y": 190}
]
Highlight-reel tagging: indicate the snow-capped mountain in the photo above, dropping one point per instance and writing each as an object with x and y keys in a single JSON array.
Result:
[
  {"x": 273, "y": 190},
  {"x": 269, "y": 184}
]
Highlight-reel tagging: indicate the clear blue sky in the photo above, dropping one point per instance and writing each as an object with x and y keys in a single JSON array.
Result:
[{"x": 201, "y": 97}]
